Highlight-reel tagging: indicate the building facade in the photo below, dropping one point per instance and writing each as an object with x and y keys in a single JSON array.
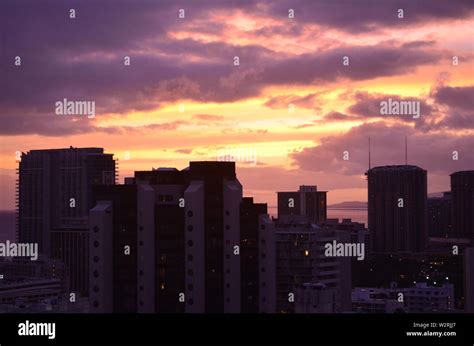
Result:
[
  {"x": 54, "y": 198},
  {"x": 397, "y": 209},
  {"x": 307, "y": 204}
]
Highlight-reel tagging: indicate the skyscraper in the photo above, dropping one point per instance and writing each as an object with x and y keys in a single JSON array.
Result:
[
  {"x": 113, "y": 249},
  {"x": 440, "y": 215},
  {"x": 462, "y": 190},
  {"x": 252, "y": 254},
  {"x": 199, "y": 247},
  {"x": 469, "y": 279},
  {"x": 213, "y": 196},
  {"x": 397, "y": 207},
  {"x": 301, "y": 260},
  {"x": 161, "y": 237},
  {"x": 307, "y": 203},
  {"x": 54, "y": 192}
]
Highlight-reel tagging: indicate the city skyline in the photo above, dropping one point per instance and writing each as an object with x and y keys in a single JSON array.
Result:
[
  {"x": 264, "y": 171},
  {"x": 291, "y": 100},
  {"x": 169, "y": 240}
]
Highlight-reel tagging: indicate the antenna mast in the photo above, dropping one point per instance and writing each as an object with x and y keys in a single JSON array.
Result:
[
  {"x": 406, "y": 151},
  {"x": 369, "y": 152}
]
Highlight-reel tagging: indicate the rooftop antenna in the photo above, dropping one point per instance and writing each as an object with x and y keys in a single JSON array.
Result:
[
  {"x": 369, "y": 152},
  {"x": 406, "y": 151}
]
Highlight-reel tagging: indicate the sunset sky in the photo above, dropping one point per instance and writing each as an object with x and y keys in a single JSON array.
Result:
[{"x": 190, "y": 62}]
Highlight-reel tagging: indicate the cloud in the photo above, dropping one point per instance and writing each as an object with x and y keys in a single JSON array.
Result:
[
  {"x": 210, "y": 117},
  {"x": 183, "y": 151},
  {"x": 309, "y": 101},
  {"x": 337, "y": 116},
  {"x": 83, "y": 58},
  {"x": 431, "y": 151},
  {"x": 457, "y": 105},
  {"x": 461, "y": 98},
  {"x": 371, "y": 15}
]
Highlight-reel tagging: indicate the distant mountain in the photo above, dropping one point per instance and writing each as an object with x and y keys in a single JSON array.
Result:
[{"x": 349, "y": 205}]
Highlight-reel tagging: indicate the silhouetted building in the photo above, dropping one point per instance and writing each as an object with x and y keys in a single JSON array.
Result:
[
  {"x": 307, "y": 204},
  {"x": 161, "y": 240},
  {"x": 213, "y": 196},
  {"x": 251, "y": 254},
  {"x": 301, "y": 259},
  {"x": 199, "y": 247},
  {"x": 397, "y": 208},
  {"x": 439, "y": 215},
  {"x": 315, "y": 298},
  {"x": 462, "y": 189},
  {"x": 469, "y": 279},
  {"x": 28, "y": 286},
  {"x": 375, "y": 300},
  {"x": 113, "y": 249},
  {"x": 54, "y": 198},
  {"x": 418, "y": 298}
]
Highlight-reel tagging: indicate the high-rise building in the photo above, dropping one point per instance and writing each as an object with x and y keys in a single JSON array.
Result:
[
  {"x": 113, "y": 249},
  {"x": 161, "y": 235},
  {"x": 256, "y": 254},
  {"x": 54, "y": 198},
  {"x": 462, "y": 189},
  {"x": 199, "y": 247},
  {"x": 301, "y": 259},
  {"x": 469, "y": 279},
  {"x": 212, "y": 197},
  {"x": 440, "y": 216},
  {"x": 397, "y": 208},
  {"x": 306, "y": 204}
]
